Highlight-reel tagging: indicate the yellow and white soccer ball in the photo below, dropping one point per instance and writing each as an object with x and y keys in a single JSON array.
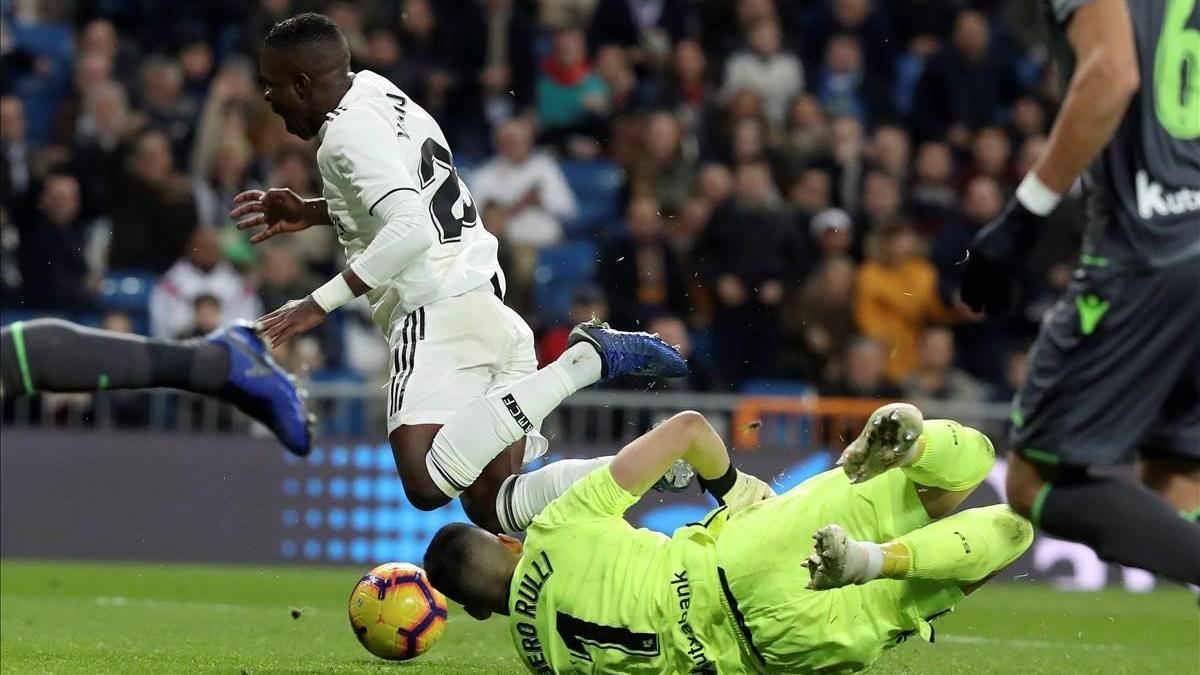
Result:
[{"x": 395, "y": 613}]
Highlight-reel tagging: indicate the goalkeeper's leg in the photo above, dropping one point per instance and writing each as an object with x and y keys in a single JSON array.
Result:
[
  {"x": 962, "y": 549},
  {"x": 894, "y": 480},
  {"x": 942, "y": 460}
]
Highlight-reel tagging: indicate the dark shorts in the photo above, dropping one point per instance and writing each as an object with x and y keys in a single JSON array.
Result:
[{"x": 1115, "y": 370}]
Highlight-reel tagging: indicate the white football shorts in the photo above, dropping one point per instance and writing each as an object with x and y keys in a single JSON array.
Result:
[{"x": 453, "y": 351}]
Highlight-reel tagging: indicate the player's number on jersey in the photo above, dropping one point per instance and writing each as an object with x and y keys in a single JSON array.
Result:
[
  {"x": 1176, "y": 95},
  {"x": 448, "y": 195},
  {"x": 578, "y": 634}
]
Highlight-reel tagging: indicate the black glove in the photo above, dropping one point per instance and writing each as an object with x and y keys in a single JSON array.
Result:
[{"x": 996, "y": 256}]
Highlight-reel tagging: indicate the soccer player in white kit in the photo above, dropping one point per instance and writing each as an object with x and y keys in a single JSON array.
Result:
[{"x": 465, "y": 398}]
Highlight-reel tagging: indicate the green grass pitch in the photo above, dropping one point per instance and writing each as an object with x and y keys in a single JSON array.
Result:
[{"x": 59, "y": 617}]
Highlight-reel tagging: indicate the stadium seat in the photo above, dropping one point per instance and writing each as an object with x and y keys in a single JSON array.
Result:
[
  {"x": 704, "y": 347},
  {"x": 597, "y": 188},
  {"x": 127, "y": 290},
  {"x": 909, "y": 69},
  {"x": 52, "y": 43},
  {"x": 466, "y": 165},
  {"x": 341, "y": 416},
  {"x": 559, "y": 274},
  {"x": 781, "y": 431}
]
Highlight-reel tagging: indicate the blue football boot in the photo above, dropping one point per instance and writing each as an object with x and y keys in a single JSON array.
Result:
[
  {"x": 263, "y": 390},
  {"x": 625, "y": 353}
]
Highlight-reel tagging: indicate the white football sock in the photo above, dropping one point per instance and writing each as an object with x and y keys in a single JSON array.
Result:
[
  {"x": 485, "y": 426},
  {"x": 581, "y": 364},
  {"x": 864, "y": 561},
  {"x": 536, "y": 445},
  {"x": 523, "y": 496}
]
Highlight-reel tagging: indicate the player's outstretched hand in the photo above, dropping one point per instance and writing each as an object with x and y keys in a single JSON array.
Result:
[
  {"x": 296, "y": 316},
  {"x": 747, "y": 490},
  {"x": 996, "y": 257},
  {"x": 280, "y": 209}
]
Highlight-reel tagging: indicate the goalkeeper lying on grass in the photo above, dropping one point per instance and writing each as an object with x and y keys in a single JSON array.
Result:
[{"x": 736, "y": 594}]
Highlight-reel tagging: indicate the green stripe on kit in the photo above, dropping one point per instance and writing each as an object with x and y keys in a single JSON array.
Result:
[
  {"x": 1039, "y": 502},
  {"x": 18, "y": 332},
  {"x": 1193, "y": 515},
  {"x": 1040, "y": 456},
  {"x": 102, "y": 382},
  {"x": 1018, "y": 419}
]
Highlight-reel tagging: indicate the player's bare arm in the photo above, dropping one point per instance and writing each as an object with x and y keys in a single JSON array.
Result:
[
  {"x": 280, "y": 209},
  {"x": 298, "y": 316},
  {"x": 283, "y": 211},
  {"x": 687, "y": 436},
  {"x": 1105, "y": 80}
]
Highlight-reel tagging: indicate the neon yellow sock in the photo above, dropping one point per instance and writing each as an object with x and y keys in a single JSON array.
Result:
[
  {"x": 967, "y": 546},
  {"x": 896, "y": 560},
  {"x": 954, "y": 457}
]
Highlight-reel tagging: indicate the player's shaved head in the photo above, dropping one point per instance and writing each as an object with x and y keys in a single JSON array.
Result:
[
  {"x": 473, "y": 567},
  {"x": 305, "y": 70},
  {"x": 314, "y": 41}
]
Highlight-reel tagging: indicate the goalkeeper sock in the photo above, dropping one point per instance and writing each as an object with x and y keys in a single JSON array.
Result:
[
  {"x": 864, "y": 561},
  {"x": 951, "y": 457},
  {"x": 963, "y": 548},
  {"x": 1123, "y": 522},
  {"x": 523, "y": 496},
  {"x": 59, "y": 356},
  {"x": 485, "y": 426}
]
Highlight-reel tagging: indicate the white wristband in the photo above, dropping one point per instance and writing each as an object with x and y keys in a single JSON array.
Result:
[
  {"x": 335, "y": 293},
  {"x": 1035, "y": 196}
]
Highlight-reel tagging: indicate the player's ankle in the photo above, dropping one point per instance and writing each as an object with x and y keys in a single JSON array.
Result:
[
  {"x": 579, "y": 365},
  {"x": 864, "y": 560}
]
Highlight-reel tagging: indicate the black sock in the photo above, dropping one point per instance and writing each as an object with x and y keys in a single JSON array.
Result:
[
  {"x": 1124, "y": 523},
  {"x": 55, "y": 355},
  {"x": 720, "y": 486}
]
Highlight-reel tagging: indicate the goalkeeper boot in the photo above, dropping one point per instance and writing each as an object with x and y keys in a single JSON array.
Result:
[
  {"x": 888, "y": 440},
  {"x": 838, "y": 560}
]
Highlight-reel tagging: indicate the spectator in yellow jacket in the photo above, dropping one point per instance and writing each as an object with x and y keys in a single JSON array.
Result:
[{"x": 897, "y": 296}]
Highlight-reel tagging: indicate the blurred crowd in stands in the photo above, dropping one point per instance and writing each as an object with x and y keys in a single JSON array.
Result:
[{"x": 784, "y": 188}]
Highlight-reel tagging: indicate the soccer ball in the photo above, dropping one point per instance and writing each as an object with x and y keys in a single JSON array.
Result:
[{"x": 395, "y": 613}]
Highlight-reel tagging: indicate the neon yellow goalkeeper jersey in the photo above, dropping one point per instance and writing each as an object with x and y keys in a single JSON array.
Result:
[{"x": 592, "y": 594}]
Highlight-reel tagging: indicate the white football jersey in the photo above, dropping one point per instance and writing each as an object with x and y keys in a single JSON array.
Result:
[{"x": 376, "y": 143}]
